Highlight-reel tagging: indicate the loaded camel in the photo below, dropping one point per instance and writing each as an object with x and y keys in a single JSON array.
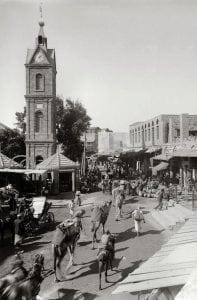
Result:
[
  {"x": 99, "y": 217},
  {"x": 65, "y": 240}
]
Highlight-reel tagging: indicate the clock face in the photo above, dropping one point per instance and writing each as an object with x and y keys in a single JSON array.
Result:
[{"x": 39, "y": 57}]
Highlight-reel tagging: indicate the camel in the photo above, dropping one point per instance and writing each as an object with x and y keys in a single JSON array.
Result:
[
  {"x": 99, "y": 217},
  {"x": 26, "y": 289},
  {"x": 17, "y": 273},
  {"x": 65, "y": 240},
  {"x": 105, "y": 255}
]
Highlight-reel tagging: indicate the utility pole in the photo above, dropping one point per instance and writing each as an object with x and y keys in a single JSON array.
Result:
[{"x": 84, "y": 150}]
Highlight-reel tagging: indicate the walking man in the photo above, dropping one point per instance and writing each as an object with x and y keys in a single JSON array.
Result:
[
  {"x": 71, "y": 207},
  {"x": 160, "y": 200},
  {"x": 138, "y": 218},
  {"x": 18, "y": 231},
  {"x": 119, "y": 203}
]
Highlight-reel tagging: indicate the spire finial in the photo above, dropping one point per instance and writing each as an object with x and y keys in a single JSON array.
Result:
[
  {"x": 41, "y": 10},
  {"x": 41, "y": 22}
]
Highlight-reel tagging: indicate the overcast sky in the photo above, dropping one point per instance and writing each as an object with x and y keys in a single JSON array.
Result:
[{"x": 126, "y": 60}]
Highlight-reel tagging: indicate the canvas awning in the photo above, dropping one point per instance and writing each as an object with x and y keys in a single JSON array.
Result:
[
  {"x": 57, "y": 162},
  {"x": 169, "y": 267},
  {"x": 153, "y": 149},
  {"x": 164, "y": 157},
  {"x": 162, "y": 166},
  {"x": 23, "y": 171}
]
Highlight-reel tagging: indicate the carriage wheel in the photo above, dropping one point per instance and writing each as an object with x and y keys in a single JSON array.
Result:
[{"x": 51, "y": 217}]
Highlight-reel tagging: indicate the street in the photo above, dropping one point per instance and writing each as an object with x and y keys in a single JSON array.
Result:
[{"x": 82, "y": 280}]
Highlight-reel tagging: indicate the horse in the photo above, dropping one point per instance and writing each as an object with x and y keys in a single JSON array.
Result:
[
  {"x": 27, "y": 289},
  {"x": 105, "y": 256},
  {"x": 65, "y": 240},
  {"x": 99, "y": 217},
  {"x": 17, "y": 273}
]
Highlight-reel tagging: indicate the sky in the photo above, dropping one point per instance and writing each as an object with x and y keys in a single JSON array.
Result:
[{"x": 125, "y": 60}]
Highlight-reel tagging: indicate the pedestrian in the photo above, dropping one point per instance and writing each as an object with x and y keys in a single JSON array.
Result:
[
  {"x": 78, "y": 198},
  {"x": 138, "y": 218},
  {"x": 119, "y": 203},
  {"x": 166, "y": 198},
  {"x": 71, "y": 207},
  {"x": 19, "y": 231},
  {"x": 160, "y": 199}
]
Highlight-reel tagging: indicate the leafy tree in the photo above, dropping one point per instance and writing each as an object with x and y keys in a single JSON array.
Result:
[
  {"x": 12, "y": 142},
  {"x": 21, "y": 121},
  {"x": 74, "y": 122}
]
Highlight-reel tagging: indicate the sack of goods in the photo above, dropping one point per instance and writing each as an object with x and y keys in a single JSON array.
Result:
[
  {"x": 105, "y": 239},
  {"x": 67, "y": 227},
  {"x": 138, "y": 215}
]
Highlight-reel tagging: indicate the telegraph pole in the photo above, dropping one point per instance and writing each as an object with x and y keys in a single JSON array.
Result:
[{"x": 84, "y": 150}]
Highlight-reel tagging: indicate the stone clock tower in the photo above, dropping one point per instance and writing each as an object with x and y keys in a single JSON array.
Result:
[{"x": 40, "y": 101}]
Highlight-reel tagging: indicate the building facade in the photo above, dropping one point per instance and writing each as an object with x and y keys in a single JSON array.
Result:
[
  {"x": 40, "y": 101},
  {"x": 112, "y": 142},
  {"x": 162, "y": 129},
  {"x": 91, "y": 140}
]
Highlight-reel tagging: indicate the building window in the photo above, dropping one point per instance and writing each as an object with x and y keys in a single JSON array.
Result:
[
  {"x": 148, "y": 131},
  {"x": 39, "y": 82},
  {"x": 138, "y": 134},
  {"x": 135, "y": 135},
  {"x": 157, "y": 128},
  {"x": 39, "y": 159},
  {"x": 38, "y": 121}
]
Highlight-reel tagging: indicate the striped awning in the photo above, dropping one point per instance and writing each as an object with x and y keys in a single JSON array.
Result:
[
  {"x": 57, "y": 162},
  {"x": 6, "y": 162}
]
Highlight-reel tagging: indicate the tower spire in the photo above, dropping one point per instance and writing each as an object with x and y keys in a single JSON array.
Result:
[
  {"x": 41, "y": 16},
  {"x": 41, "y": 39}
]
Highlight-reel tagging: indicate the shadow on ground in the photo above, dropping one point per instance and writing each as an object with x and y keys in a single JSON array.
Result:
[{"x": 72, "y": 294}]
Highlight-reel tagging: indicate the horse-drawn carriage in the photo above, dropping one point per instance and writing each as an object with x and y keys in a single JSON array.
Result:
[{"x": 41, "y": 210}]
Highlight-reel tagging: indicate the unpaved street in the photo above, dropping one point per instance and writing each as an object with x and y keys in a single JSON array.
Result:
[{"x": 82, "y": 282}]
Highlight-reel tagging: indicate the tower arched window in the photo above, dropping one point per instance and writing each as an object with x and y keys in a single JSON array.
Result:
[
  {"x": 38, "y": 121},
  {"x": 39, "y": 159},
  {"x": 40, "y": 39},
  {"x": 39, "y": 82}
]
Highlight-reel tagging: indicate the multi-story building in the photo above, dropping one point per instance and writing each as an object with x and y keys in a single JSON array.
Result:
[
  {"x": 91, "y": 139},
  {"x": 175, "y": 136},
  {"x": 162, "y": 129},
  {"x": 105, "y": 142},
  {"x": 112, "y": 142}
]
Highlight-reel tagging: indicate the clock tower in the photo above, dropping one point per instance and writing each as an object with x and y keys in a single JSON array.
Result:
[{"x": 40, "y": 101}]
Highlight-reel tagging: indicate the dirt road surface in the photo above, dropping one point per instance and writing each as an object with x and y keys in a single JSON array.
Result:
[{"x": 82, "y": 280}]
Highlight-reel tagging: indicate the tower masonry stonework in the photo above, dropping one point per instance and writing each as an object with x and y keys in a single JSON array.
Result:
[{"x": 40, "y": 101}]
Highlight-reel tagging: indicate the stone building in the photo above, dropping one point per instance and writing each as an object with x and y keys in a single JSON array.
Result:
[
  {"x": 40, "y": 101},
  {"x": 91, "y": 140},
  {"x": 175, "y": 136},
  {"x": 112, "y": 142},
  {"x": 161, "y": 130}
]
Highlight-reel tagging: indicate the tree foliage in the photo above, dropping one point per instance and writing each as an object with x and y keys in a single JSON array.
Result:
[
  {"x": 12, "y": 142},
  {"x": 21, "y": 121},
  {"x": 74, "y": 122}
]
